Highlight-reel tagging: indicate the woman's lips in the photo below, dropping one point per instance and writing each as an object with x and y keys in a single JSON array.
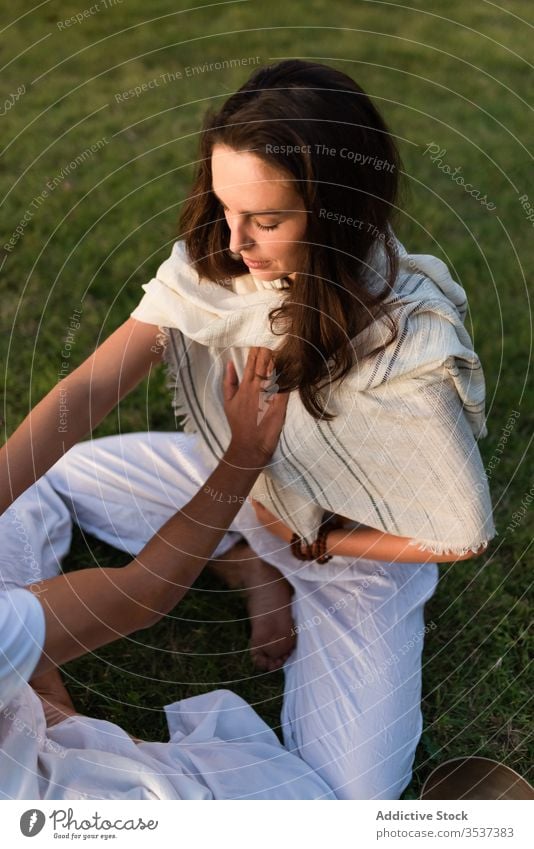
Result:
[{"x": 255, "y": 264}]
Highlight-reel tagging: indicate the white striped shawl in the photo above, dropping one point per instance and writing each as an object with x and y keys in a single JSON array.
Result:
[{"x": 400, "y": 455}]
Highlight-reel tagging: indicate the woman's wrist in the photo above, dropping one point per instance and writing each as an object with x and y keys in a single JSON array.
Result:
[{"x": 317, "y": 550}]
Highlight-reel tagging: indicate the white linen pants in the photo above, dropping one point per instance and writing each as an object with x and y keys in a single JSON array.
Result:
[{"x": 352, "y": 698}]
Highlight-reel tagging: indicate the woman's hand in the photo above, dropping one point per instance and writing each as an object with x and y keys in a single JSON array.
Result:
[
  {"x": 254, "y": 409},
  {"x": 272, "y": 522}
]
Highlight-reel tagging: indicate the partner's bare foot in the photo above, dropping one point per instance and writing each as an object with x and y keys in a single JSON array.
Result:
[
  {"x": 55, "y": 699},
  {"x": 268, "y": 598},
  {"x": 57, "y": 704}
]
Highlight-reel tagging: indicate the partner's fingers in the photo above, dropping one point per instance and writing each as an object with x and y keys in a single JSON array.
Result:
[
  {"x": 250, "y": 366},
  {"x": 277, "y": 402},
  {"x": 230, "y": 382},
  {"x": 259, "y": 364},
  {"x": 264, "y": 362}
]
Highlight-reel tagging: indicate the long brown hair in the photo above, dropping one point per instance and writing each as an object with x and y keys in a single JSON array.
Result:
[{"x": 345, "y": 165}]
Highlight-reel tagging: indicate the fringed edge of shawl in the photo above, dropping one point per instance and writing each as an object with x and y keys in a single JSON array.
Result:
[
  {"x": 162, "y": 339},
  {"x": 441, "y": 548},
  {"x": 171, "y": 376}
]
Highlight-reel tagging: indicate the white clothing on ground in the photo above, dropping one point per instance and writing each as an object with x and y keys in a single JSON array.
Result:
[
  {"x": 352, "y": 700},
  {"x": 219, "y": 748}
]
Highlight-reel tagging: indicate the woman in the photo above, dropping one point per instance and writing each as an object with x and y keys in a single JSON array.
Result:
[{"x": 288, "y": 242}]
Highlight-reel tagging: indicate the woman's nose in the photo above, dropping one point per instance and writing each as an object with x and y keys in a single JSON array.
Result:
[{"x": 239, "y": 235}]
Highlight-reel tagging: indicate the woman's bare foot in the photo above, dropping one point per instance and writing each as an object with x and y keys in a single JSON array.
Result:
[
  {"x": 268, "y": 598},
  {"x": 57, "y": 704}
]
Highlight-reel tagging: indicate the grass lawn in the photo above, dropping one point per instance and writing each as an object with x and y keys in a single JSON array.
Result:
[{"x": 448, "y": 74}]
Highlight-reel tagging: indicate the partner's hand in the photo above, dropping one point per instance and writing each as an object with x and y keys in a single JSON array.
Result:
[
  {"x": 272, "y": 522},
  {"x": 254, "y": 411}
]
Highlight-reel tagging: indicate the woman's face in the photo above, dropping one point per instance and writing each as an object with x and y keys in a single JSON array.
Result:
[{"x": 266, "y": 216}]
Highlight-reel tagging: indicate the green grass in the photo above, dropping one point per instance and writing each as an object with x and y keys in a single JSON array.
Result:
[{"x": 444, "y": 72}]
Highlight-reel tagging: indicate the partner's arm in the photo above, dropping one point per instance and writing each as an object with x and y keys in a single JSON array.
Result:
[
  {"x": 365, "y": 542},
  {"x": 92, "y": 607},
  {"x": 90, "y": 393}
]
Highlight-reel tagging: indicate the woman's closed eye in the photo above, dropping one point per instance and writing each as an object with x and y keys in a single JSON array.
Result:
[
  {"x": 257, "y": 223},
  {"x": 265, "y": 227}
]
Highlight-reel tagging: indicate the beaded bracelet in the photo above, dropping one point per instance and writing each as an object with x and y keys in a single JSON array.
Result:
[
  {"x": 317, "y": 550},
  {"x": 319, "y": 546},
  {"x": 297, "y": 544}
]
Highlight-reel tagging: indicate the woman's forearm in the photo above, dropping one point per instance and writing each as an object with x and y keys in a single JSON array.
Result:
[
  {"x": 372, "y": 544},
  {"x": 42, "y": 439},
  {"x": 364, "y": 542},
  {"x": 75, "y": 406},
  {"x": 92, "y": 607}
]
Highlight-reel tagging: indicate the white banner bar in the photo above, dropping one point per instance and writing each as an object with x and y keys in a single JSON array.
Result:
[{"x": 256, "y": 825}]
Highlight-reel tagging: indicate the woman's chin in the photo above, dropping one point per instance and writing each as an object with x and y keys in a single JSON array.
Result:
[
  {"x": 265, "y": 274},
  {"x": 269, "y": 273}
]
